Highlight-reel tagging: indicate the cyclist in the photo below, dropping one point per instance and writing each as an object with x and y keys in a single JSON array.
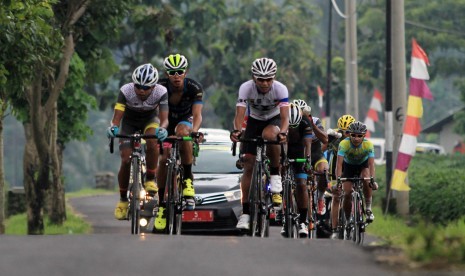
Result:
[
  {"x": 356, "y": 157},
  {"x": 299, "y": 145},
  {"x": 319, "y": 162},
  {"x": 185, "y": 117},
  {"x": 136, "y": 110},
  {"x": 334, "y": 138},
  {"x": 268, "y": 103}
]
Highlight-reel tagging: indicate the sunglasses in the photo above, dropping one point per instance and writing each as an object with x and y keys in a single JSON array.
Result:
[
  {"x": 142, "y": 87},
  {"x": 357, "y": 135},
  {"x": 176, "y": 72},
  {"x": 264, "y": 80}
]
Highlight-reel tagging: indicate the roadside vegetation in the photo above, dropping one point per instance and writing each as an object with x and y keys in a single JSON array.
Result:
[{"x": 434, "y": 234}]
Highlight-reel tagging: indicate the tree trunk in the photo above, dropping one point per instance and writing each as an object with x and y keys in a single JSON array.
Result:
[
  {"x": 2, "y": 175},
  {"x": 34, "y": 192},
  {"x": 58, "y": 207}
]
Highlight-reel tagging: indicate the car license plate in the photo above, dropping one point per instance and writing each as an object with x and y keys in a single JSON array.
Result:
[{"x": 197, "y": 216}]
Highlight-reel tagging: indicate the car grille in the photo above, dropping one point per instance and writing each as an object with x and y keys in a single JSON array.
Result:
[{"x": 212, "y": 198}]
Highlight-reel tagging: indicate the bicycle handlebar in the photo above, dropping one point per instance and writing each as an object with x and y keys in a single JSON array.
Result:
[
  {"x": 135, "y": 136},
  {"x": 354, "y": 178},
  {"x": 259, "y": 141}
]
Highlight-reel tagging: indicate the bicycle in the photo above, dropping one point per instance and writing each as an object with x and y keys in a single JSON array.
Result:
[
  {"x": 291, "y": 214},
  {"x": 319, "y": 225},
  {"x": 354, "y": 227},
  {"x": 139, "y": 200},
  {"x": 259, "y": 192},
  {"x": 173, "y": 197}
]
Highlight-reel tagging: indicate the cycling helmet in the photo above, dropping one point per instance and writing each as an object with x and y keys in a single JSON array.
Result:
[
  {"x": 344, "y": 121},
  {"x": 300, "y": 103},
  {"x": 264, "y": 68},
  {"x": 357, "y": 127},
  {"x": 295, "y": 115},
  {"x": 145, "y": 74},
  {"x": 175, "y": 62}
]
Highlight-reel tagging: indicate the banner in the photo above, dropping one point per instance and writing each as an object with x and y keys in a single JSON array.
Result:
[{"x": 412, "y": 127}]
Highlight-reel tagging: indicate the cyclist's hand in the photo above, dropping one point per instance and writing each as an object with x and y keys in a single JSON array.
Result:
[
  {"x": 282, "y": 137},
  {"x": 373, "y": 185},
  {"x": 307, "y": 110},
  {"x": 308, "y": 165},
  {"x": 332, "y": 132},
  {"x": 112, "y": 131},
  {"x": 161, "y": 133},
  {"x": 197, "y": 136},
  {"x": 235, "y": 135}
]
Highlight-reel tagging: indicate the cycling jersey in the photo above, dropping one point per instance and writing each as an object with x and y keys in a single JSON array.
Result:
[
  {"x": 137, "y": 110},
  {"x": 263, "y": 106},
  {"x": 182, "y": 109},
  {"x": 296, "y": 136},
  {"x": 356, "y": 155},
  {"x": 319, "y": 124}
]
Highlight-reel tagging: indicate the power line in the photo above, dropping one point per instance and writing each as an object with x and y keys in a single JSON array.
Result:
[{"x": 416, "y": 24}]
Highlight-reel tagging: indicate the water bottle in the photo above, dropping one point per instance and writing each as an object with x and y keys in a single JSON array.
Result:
[{"x": 196, "y": 149}]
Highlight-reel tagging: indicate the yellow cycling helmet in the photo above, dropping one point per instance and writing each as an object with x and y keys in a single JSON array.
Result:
[{"x": 344, "y": 121}]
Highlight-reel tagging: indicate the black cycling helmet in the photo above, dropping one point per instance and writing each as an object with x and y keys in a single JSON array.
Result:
[{"x": 357, "y": 127}]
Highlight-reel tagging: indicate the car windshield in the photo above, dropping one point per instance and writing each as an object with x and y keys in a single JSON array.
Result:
[{"x": 215, "y": 159}]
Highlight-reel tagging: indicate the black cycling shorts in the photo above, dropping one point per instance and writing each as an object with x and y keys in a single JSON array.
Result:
[
  {"x": 255, "y": 128},
  {"x": 349, "y": 170}
]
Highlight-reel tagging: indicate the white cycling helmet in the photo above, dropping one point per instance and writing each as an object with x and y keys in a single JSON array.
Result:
[
  {"x": 295, "y": 115},
  {"x": 175, "y": 62},
  {"x": 264, "y": 68},
  {"x": 306, "y": 109},
  {"x": 145, "y": 74}
]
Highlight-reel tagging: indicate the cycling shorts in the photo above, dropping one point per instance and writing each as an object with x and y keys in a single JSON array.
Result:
[
  {"x": 350, "y": 170},
  {"x": 130, "y": 127},
  {"x": 255, "y": 128}
]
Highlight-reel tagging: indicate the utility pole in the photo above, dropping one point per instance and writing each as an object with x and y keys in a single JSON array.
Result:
[
  {"x": 399, "y": 85},
  {"x": 351, "y": 59},
  {"x": 328, "y": 68},
  {"x": 388, "y": 129}
]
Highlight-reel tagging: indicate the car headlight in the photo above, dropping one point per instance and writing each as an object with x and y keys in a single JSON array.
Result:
[{"x": 233, "y": 195}]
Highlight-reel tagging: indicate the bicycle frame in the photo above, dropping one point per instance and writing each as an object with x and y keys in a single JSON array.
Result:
[
  {"x": 259, "y": 191},
  {"x": 355, "y": 226},
  {"x": 291, "y": 215},
  {"x": 173, "y": 188},
  {"x": 135, "y": 189}
]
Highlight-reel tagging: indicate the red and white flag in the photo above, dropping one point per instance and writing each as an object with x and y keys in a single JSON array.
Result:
[
  {"x": 372, "y": 115},
  {"x": 412, "y": 127},
  {"x": 321, "y": 93}
]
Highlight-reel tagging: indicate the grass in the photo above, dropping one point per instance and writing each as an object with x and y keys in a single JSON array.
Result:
[{"x": 74, "y": 224}]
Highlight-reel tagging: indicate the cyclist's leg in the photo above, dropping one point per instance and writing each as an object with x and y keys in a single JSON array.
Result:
[
  {"x": 270, "y": 132},
  {"x": 367, "y": 193},
  {"x": 320, "y": 167},
  {"x": 302, "y": 202},
  {"x": 335, "y": 202},
  {"x": 184, "y": 128},
  {"x": 151, "y": 158},
  {"x": 254, "y": 128},
  {"x": 121, "y": 208},
  {"x": 348, "y": 171}
]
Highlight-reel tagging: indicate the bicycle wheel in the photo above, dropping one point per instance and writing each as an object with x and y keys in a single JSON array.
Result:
[
  {"x": 311, "y": 217},
  {"x": 289, "y": 209},
  {"x": 253, "y": 200},
  {"x": 358, "y": 220},
  {"x": 342, "y": 222},
  {"x": 135, "y": 191},
  {"x": 178, "y": 202},
  {"x": 170, "y": 203},
  {"x": 263, "y": 218}
]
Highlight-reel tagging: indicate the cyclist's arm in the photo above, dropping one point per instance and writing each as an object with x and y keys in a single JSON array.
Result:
[
  {"x": 117, "y": 116},
  {"x": 197, "y": 116},
  {"x": 371, "y": 166},
  {"x": 239, "y": 118},
  {"x": 284, "y": 114},
  {"x": 319, "y": 133},
  {"x": 163, "y": 118},
  {"x": 339, "y": 162},
  {"x": 308, "y": 146}
]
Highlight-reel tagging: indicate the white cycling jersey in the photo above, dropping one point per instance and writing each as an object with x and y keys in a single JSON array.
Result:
[{"x": 263, "y": 106}]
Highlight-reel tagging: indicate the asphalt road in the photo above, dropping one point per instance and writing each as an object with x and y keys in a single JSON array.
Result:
[{"x": 111, "y": 250}]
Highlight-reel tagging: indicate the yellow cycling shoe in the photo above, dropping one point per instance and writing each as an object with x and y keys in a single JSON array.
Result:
[
  {"x": 188, "y": 188},
  {"x": 160, "y": 220},
  {"x": 121, "y": 210},
  {"x": 151, "y": 186},
  {"x": 277, "y": 199}
]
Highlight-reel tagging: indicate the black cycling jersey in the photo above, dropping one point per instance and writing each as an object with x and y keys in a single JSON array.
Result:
[
  {"x": 192, "y": 94},
  {"x": 295, "y": 143}
]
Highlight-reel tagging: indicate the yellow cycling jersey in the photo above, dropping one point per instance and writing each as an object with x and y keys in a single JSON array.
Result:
[{"x": 356, "y": 155}]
